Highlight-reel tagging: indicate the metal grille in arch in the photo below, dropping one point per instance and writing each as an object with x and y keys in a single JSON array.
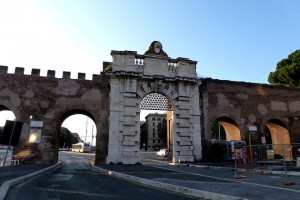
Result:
[{"x": 156, "y": 101}]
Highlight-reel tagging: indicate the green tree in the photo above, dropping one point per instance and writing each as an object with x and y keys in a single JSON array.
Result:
[
  {"x": 143, "y": 134},
  {"x": 162, "y": 130},
  {"x": 287, "y": 71},
  {"x": 67, "y": 138}
]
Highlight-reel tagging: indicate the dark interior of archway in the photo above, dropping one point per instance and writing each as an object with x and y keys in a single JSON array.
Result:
[
  {"x": 227, "y": 119},
  {"x": 2, "y": 108},
  {"x": 215, "y": 131},
  {"x": 278, "y": 122},
  {"x": 268, "y": 136},
  {"x": 224, "y": 128}
]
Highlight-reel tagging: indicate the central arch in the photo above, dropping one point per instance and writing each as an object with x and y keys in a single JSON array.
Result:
[
  {"x": 132, "y": 78},
  {"x": 156, "y": 101}
]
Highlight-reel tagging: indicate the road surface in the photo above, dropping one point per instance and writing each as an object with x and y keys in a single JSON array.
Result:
[{"x": 76, "y": 181}]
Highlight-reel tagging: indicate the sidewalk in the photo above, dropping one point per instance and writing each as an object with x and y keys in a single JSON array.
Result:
[
  {"x": 12, "y": 175},
  {"x": 214, "y": 182},
  {"x": 11, "y": 172},
  {"x": 268, "y": 168}
]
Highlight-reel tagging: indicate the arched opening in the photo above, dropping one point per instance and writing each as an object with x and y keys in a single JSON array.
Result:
[
  {"x": 5, "y": 114},
  {"x": 77, "y": 135},
  {"x": 156, "y": 122},
  {"x": 225, "y": 128},
  {"x": 277, "y": 135}
]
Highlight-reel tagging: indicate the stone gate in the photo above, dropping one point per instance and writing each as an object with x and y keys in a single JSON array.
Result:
[
  {"x": 133, "y": 77},
  {"x": 112, "y": 100}
]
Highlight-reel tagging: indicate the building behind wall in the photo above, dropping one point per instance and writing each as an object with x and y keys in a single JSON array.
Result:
[{"x": 153, "y": 141}]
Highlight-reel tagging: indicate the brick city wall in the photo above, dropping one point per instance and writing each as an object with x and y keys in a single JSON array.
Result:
[
  {"x": 52, "y": 100},
  {"x": 249, "y": 104}
]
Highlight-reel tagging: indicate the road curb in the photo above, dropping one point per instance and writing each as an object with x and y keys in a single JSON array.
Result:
[
  {"x": 259, "y": 171},
  {"x": 168, "y": 187},
  {"x": 6, "y": 185}
]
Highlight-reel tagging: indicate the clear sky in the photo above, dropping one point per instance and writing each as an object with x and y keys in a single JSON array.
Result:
[{"x": 231, "y": 39}]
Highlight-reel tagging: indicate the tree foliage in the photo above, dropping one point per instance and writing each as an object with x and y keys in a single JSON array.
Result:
[
  {"x": 143, "y": 138},
  {"x": 287, "y": 71},
  {"x": 162, "y": 130},
  {"x": 67, "y": 138}
]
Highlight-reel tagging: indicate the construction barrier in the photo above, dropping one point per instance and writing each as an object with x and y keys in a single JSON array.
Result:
[{"x": 268, "y": 156}]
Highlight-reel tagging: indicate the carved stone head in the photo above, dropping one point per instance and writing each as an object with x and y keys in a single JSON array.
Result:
[{"x": 155, "y": 48}]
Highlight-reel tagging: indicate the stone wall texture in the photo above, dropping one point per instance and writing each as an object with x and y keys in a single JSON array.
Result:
[
  {"x": 249, "y": 104},
  {"x": 113, "y": 98},
  {"x": 52, "y": 100}
]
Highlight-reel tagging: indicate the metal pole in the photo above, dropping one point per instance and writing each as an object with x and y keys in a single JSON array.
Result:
[
  {"x": 92, "y": 134},
  {"x": 250, "y": 148},
  {"x": 284, "y": 164},
  {"x": 169, "y": 135},
  {"x": 86, "y": 124},
  {"x": 219, "y": 131},
  {"x": 12, "y": 132}
]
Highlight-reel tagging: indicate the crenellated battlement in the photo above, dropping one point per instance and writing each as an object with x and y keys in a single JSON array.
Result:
[{"x": 50, "y": 73}]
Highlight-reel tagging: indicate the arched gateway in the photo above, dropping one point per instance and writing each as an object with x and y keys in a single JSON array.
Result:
[
  {"x": 113, "y": 101},
  {"x": 133, "y": 77}
]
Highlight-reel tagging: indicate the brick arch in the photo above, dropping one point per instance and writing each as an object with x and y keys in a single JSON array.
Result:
[
  {"x": 101, "y": 135},
  {"x": 231, "y": 128},
  {"x": 274, "y": 119},
  {"x": 63, "y": 115},
  {"x": 280, "y": 138},
  {"x": 229, "y": 117},
  {"x": 10, "y": 107}
]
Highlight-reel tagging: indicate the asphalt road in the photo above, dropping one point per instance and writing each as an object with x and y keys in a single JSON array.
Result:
[{"x": 76, "y": 181}]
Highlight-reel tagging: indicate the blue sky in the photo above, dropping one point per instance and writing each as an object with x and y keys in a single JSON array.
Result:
[
  {"x": 234, "y": 40},
  {"x": 231, "y": 39}
]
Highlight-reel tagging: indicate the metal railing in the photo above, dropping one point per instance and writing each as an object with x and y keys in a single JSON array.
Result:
[{"x": 268, "y": 156}]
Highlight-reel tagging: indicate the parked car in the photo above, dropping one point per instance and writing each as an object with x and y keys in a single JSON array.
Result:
[{"x": 162, "y": 152}]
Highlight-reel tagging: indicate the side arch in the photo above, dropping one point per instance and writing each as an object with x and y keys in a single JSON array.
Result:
[
  {"x": 101, "y": 151},
  {"x": 280, "y": 138},
  {"x": 232, "y": 131},
  {"x": 8, "y": 106}
]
